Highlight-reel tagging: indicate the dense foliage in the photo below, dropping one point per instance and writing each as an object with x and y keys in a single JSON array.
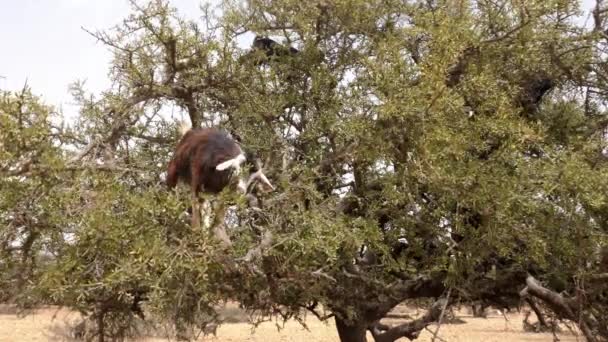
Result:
[{"x": 476, "y": 130}]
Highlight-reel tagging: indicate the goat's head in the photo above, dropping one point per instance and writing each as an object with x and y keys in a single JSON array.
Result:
[{"x": 255, "y": 174}]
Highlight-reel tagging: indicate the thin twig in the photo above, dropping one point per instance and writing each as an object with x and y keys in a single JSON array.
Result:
[
  {"x": 437, "y": 337},
  {"x": 445, "y": 305}
]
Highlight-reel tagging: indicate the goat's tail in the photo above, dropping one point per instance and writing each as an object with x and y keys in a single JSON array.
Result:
[{"x": 183, "y": 127}]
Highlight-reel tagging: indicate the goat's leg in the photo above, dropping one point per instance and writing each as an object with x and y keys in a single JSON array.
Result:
[
  {"x": 206, "y": 212},
  {"x": 196, "y": 210},
  {"x": 218, "y": 225}
]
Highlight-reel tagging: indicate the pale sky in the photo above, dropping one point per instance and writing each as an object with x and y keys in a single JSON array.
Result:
[{"x": 42, "y": 41}]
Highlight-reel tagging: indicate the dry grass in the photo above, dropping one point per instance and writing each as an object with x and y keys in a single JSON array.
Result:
[{"x": 51, "y": 324}]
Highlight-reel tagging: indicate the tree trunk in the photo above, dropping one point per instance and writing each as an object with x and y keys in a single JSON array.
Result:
[
  {"x": 351, "y": 332},
  {"x": 101, "y": 326},
  {"x": 480, "y": 311}
]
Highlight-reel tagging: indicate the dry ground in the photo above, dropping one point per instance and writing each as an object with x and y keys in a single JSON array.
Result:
[{"x": 49, "y": 324}]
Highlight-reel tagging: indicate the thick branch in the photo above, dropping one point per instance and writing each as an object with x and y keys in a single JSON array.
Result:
[
  {"x": 421, "y": 287},
  {"x": 565, "y": 307},
  {"x": 412, "y": 329},
  {"x": 560, "y": 304},
  {"x": 539, "y": 315},
  {"x": 456, "y": 71}
]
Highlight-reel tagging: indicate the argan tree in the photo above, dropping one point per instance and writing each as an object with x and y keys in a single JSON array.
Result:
[{"x": 426, "y": 152}]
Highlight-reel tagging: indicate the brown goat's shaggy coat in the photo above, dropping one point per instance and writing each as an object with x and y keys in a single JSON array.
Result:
[
  {"x": 206, "y": 158},
  {"x": 197, "y": 156},
  {"x": 197, "y": 162}
]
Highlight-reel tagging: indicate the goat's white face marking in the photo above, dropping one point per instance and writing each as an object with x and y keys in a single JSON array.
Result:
[{"x": 234, "y": 163}]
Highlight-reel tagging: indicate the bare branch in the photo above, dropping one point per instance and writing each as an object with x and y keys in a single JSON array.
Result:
[
  {"x": 99, "y": 167},
  {"x": 507, "y": 34},
  {"x": 319, "y": 273},
  {"x": 312, "y": 309},
  {"x": 153, "y": 139}
]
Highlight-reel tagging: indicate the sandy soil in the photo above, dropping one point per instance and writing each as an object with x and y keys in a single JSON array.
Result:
[{"x": 49, "y": 324}]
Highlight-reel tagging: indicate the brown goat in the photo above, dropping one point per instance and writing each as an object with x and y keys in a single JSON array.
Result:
[
  {"x": 206, "y": 159},
  {"x": 197, "y": 157}
]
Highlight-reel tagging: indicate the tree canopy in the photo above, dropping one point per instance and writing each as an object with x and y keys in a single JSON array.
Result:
[{"x": 427, "y": 152}]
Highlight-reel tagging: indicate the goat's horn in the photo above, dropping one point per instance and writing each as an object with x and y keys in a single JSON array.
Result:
[
  {"x": 259, "y": 174},
  {"x": 234, "y": 162},
  {"x": 265, "y": 180}
]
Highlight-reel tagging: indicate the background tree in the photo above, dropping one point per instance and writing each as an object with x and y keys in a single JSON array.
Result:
[
  {"x": 30, "y": 154},
  {"x": 475, "y": 130}
]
